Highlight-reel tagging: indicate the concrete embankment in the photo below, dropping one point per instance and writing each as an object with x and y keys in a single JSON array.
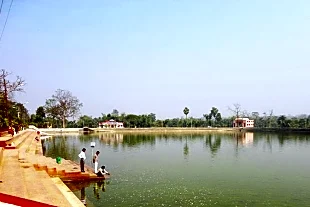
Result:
[
  {"x": 22, "y": 183},
  {"x": 60, "y": 130},
  {"x": 1, "y": 155},
  {"x": 279, "y": 130}
]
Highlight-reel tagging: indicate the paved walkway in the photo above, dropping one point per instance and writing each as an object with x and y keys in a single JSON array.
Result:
[{"x": 20, "y": 178}]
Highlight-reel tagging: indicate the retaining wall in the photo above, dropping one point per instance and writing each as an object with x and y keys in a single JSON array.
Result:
[{"x": 1, "y": 155}]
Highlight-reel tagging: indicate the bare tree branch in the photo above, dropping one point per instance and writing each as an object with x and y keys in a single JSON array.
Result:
[
  {"x": 7, "y": 88},
  {"x": 236, "y": 110},
  {"x": 63, "y": 105}
]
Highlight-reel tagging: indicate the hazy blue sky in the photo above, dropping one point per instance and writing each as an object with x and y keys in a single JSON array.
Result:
[{"x": 160, "y": 56}]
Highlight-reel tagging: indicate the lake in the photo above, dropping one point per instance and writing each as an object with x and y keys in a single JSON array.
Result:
[{"x": 216, "y": 169}]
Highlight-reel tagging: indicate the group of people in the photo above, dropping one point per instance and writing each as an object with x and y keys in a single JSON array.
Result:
[{"x": 99, "y": 172}]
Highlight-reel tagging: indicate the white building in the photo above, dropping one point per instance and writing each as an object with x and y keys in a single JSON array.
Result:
[
  {"x": 243, "y": 122},
  {"x": 111, "y": 124}
]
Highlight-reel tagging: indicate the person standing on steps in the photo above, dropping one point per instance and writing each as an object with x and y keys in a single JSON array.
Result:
[
  {"x": 82, "y": 157},
  {"x": 96, "y": 160}
]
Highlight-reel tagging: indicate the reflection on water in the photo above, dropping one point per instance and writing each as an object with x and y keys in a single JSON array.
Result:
[
  {"x": 213, "y": 142},
  {"x": 233, "y": 169},
  {"x": 244, "y": 139},
  {"x": 186, "y": 149},
  {"x": 83, "y": 196},
  {"x": 111, "y": 138},
  {"x": 99, "y": 187}
]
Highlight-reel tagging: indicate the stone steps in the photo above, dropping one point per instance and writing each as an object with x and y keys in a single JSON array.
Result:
[
  {"x": 36, "y": 192},
  {"x": 63, "y": 170},
  {"x": 29, "y": 139},
  {"x": 50, "y": 186},
  {"x": 20, "y": 177},
  {"x": 17, "y": 140},
  {"x": 11, "y": 175}
]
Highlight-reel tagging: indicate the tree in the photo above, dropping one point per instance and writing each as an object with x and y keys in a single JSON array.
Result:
[
  {"x": 39, "y": 116},
  {"x": 218, "y": 119},
  {"x": 86, "y": 121},
  {"x": 7, "y": 90},
  {"x": 151, "y": 119},
  {"x": 282, "y": 121},
  {"x": 213, "y": 117},
  {"x": 131, "y": 120},
  {"x": 236, "y": 110},
  {"x": 40, "y": 112},
  {"x": 63, "y": 105},
  {"x": 186, "y": 111},
  {"x": 207, "y": 117},
  {"x": 213, "y": 113}
]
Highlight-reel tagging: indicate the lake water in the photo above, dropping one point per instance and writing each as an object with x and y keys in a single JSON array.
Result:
[{"x": 241, "y": 169}]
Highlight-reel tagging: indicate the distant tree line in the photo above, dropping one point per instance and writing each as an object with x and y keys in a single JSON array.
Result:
[
  {"x": 42, "y": 118},
  {"x": 63, "y": 110}
]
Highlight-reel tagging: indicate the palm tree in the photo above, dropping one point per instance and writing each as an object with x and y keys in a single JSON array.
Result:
[
  {"x": 186, "y": 111},
  {"x": 213, "y": 114}
]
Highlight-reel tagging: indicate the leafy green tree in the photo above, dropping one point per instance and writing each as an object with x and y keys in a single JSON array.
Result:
[
  {"x": 218, "y": 119},
  {"x": 213, "y": 113},
  {"x": 40, "y": 112},
  {"x": 282, "y": 121},
  {"x": 39, "y": 118},
  {"x": 208, "y": 119},
  {"x": 131, "y": 120},
  {"x": 18, "y": 114},
  {"x": 86, "y": 121},
  {"x": 227, "y": 122}
]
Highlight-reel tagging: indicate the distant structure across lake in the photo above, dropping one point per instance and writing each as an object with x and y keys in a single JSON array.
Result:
[
  {"x": 111, "y": 124},
  {"x": 243, "y": 122}
]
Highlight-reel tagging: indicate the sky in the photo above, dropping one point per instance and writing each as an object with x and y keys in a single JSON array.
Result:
[{"x": 160, "y": 56}]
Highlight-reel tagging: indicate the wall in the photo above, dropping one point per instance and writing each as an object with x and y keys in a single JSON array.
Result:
[{"x": 1, "y": 155}]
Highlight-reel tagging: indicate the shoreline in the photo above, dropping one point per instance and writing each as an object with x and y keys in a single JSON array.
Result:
[{"x": 75, "y": 131}]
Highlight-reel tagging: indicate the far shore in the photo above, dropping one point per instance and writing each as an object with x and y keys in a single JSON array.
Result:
[
  {"x": 172, "y": 130},
  {"x": 136, "y": 130}
]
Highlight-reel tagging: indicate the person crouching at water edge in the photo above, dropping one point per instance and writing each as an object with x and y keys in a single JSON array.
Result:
[
  {"x": 96, "y": 160},
  {"x": 102, "y": 171},
  {"x": 82, "y": 157}
]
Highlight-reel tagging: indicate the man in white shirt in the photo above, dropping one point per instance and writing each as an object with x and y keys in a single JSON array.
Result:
[{"x": 82, "y": 157}]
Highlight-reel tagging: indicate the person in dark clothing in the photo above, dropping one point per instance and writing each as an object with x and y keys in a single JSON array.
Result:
[{"x": 102, "y": 171}]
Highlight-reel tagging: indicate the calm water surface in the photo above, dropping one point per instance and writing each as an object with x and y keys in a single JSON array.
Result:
[{"x": 243, "y": 169}]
